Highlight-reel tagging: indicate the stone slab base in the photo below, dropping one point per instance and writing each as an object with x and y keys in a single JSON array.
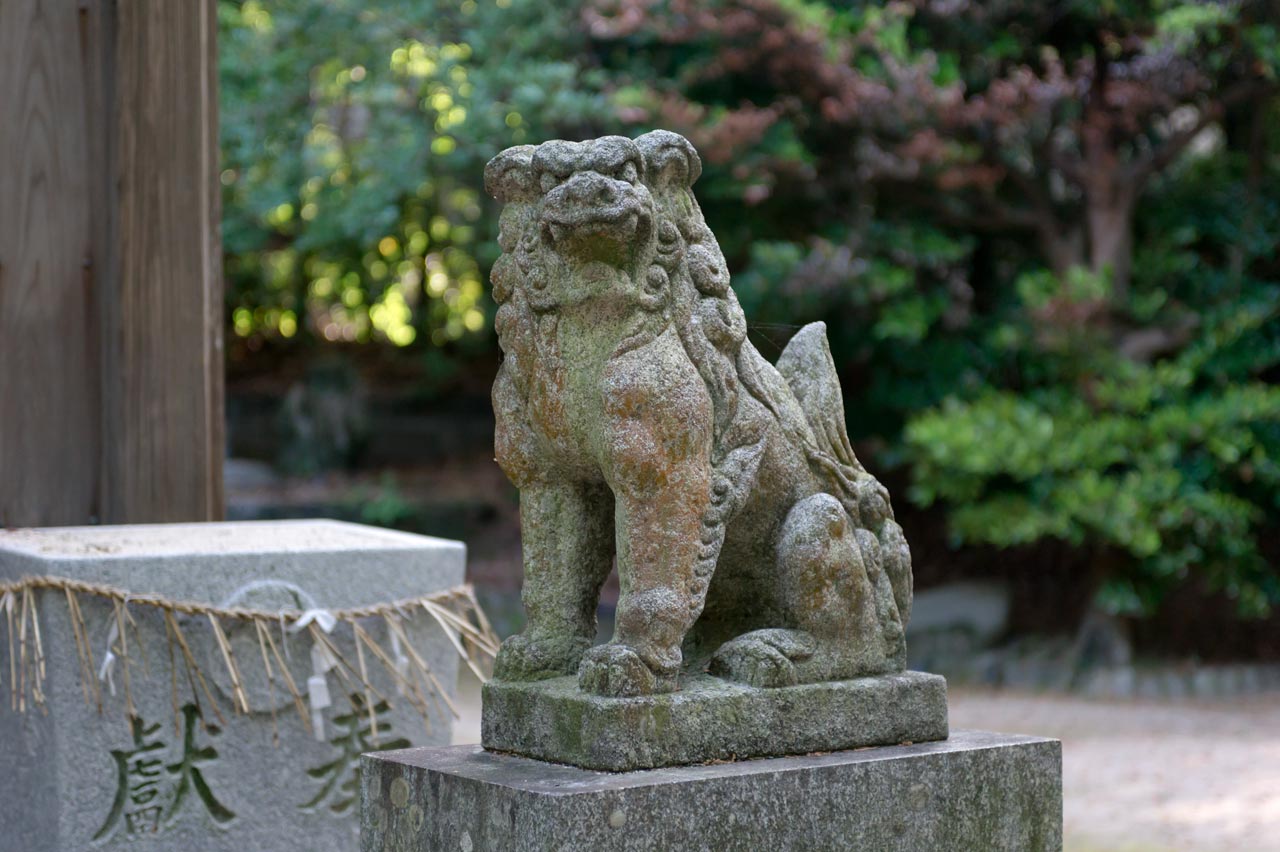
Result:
[
  {"x": 975, "y": 791},
  {"x": 710, "y": 719}
]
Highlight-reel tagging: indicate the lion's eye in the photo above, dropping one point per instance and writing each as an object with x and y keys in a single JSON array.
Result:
[
  {"x": 548, "y": 181},
  {"x": 628, "y": 172}
]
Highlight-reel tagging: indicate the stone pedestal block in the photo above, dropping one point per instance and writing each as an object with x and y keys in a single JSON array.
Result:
[
  {"x": 74, "y": 779},
  {"x": 974, "y": 791},
  {"x": 710, "y": 719}
]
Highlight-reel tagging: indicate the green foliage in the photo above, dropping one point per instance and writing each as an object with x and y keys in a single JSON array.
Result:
[
  {"x": 384, "y": 506},
  {"x": 897, "y": 297},
  {"x": 354, "y": 137},
  {"x": 1161, "y": 477},
  {"x": 916, "y": 174},
  {"x": 1174, "y": 464}
]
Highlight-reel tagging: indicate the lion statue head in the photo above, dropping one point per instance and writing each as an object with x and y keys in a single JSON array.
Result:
[{"x": 615, "y": 217}]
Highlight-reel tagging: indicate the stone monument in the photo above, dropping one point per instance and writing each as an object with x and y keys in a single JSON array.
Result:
[
  {"x": 187, "y": 771},
  {"x": 765, "y": 585}
]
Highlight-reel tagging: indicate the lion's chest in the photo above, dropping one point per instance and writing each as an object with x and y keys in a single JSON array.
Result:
[{"x": 566, "y": 396}]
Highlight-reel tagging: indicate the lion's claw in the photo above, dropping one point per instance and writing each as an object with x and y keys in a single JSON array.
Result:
[
  {"x": 526, "y": 657},
  {"x": 763, "y": 658},
  {"x": 616, "y": 670}
]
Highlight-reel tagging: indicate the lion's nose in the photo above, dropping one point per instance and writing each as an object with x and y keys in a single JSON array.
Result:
[{"x": 591, "y": 188}]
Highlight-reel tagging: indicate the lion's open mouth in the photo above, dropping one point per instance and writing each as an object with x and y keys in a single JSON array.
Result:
[
  {"x": 596, "y": 234},
  {"x": 617, "y": 226}
]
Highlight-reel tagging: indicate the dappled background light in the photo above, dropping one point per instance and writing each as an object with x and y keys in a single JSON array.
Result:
[{"x": 1044, "y": 239}]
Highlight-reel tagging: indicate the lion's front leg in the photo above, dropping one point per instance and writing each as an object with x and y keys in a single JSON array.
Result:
[
  {"x": 658, "y": 544},
  {"x": 658, "y": 421},
  {"x": 567, "y": 539},
  {"x": 566, "y": 531}
]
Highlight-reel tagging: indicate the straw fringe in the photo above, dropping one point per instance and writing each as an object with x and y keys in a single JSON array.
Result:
[
  {"x": 265, "y": 633},
  {"x": 123, "y": 655},
  {"x": 194, "y": 675},
  {"x": 456, "y": 611},
  {"x": 271, "y": 683},
  {"x": 84, "y": 652},
  {"x": 7, "y": 601},
  {"x": 233, "y": 669},
  {"x": 22, "y": 652}
]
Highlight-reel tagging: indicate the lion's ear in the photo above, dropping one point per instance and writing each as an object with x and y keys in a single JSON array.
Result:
[
  {"x": 670, "y": 159},
  {"x": 509, "y": 176}
]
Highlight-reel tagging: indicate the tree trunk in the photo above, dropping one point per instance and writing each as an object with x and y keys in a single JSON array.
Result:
[
  {"x": 1063, "y": 246},
  {"x": 1109, "y": 216},
  {"x": 1110, "y": 198}
]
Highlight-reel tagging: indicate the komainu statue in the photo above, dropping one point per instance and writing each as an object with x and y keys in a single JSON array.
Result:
[{"x": 641, "y": 425}]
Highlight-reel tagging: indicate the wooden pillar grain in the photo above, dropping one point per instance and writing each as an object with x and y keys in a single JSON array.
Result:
[{"x": 111, "y": 366}]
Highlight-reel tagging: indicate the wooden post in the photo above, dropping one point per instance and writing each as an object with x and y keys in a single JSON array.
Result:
[{"x": 111, "y": 369}]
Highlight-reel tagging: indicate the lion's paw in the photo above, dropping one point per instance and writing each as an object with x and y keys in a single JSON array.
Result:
[
  {"x": 763, "y": 658},
  {"x": 526, "y": 657},
  {"x": 618, "y": 671}
]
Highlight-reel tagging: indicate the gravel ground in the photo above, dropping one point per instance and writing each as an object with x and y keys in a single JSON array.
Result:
[
  {"x": 1139, "y": 776},
  {"x": 1153, "y": 776}
]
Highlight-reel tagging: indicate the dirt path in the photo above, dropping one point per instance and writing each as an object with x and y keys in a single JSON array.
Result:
[{"x": 1147, "y": 776}]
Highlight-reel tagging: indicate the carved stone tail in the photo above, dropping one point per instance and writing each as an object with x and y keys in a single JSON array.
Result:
[{"x": 810, "y": 371}]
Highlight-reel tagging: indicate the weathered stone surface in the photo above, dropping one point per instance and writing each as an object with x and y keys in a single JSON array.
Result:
[
  {"x": 639, "y": 423},
  {"x": 710, "y": 719},
  {"x": 62, "y": 770},
  {"x": 976, "y": 791}
]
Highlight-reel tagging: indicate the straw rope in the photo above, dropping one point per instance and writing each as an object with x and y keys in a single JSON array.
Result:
[{"x": 455, "y": 610}]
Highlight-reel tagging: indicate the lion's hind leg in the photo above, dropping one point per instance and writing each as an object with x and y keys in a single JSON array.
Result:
[
  {"x": 833, "y": 630},
  {"x": 765, "y": 658}
]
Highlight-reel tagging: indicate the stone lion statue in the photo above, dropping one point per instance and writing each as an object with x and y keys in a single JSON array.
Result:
[{"x": 641, "y": 425}]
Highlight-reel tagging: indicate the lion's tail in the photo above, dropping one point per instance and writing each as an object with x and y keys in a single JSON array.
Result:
[
  {"x": 809, "y": 370},
  {"x": 807, "y": 367}
]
